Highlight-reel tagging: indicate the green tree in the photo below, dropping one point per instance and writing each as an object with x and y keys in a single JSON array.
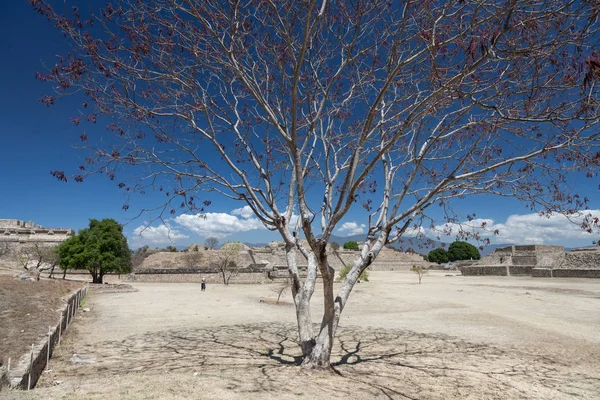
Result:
[
  {"x": 100, "y": 249},
  {"x": 463, "y": 251},
  {"x": 438, "y": 255},
  {"x": 352, "y": 245}
]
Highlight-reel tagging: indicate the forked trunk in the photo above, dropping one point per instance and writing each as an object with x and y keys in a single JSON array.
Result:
[
  {"x": 305, "y": 328},
  {"x": 302, "y": 294},
  {"x": 97, "y": 276},
  {"x": 320, "y": 356}
]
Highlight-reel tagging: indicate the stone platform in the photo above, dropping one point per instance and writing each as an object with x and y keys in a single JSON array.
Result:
[{"x": 538, "y": 261}]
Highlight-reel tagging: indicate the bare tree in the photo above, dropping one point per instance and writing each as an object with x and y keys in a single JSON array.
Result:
[
  {"x": 192, "y": 259},
  {"x": 24, "y": 256},
  {"x": 38, "y": 258},
  {"x": 280, "y": 289},
  {"x": 228, "y": 261},
  {"x": 52, "y": 261},
  {"x": 138, "y": 256},
  {"x": 390, "y": 106},
  {"x": 420, "y": 271},
  {"x": 211, "y": 242}
]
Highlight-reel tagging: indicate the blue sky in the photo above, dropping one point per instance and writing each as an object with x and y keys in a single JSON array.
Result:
[{"x": 37, "y": 139}]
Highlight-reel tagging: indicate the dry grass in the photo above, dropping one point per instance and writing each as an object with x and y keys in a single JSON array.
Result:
[{"x": 27, "y": 308}]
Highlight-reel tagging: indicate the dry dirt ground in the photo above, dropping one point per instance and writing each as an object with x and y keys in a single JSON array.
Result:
[
  {"x": 451, "y": 337},
  {"x": 27, "y": 308}
]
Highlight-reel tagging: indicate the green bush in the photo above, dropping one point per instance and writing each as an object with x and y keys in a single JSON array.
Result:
[
  {"x": 351, "y": 245},
  {"x": 438, "y": 256},
  {"x": 364, "y": 276},
  {"x": 463, "y": 251}
]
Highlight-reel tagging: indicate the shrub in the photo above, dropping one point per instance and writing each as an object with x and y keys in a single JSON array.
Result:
[
  {"x": 364, "y": 276},
  {"x": 420, "y": 271},
  {"x": 351, "y": 245}
]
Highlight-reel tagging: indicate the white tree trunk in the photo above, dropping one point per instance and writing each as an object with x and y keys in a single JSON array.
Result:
[
  {"x": 320, "y": 356},
  {"x": 302, "y": 294}
]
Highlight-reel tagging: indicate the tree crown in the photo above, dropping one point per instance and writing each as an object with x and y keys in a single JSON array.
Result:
[
  {"x": 463, "y": 251},
  {"x": 438, "y": 255},
  {"x": 101, "y": 247}
]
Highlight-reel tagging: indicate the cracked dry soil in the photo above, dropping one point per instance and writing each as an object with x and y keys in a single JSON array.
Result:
[{"x": 449, "y": 338}]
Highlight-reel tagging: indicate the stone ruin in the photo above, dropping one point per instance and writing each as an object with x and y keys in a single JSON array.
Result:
[
  {"x": 257, "y": 264},
  {"x": 16, "y": 235},
  {"x": 538, "y": 261}
]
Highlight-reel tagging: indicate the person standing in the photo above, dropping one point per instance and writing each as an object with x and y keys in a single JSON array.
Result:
[{"x": 203, "y": 285}]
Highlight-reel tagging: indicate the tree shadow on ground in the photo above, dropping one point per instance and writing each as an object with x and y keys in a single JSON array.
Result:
[{"x": 263, "y": 358}]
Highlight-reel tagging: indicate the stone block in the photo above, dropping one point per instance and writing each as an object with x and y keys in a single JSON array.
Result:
[
  {"x": 541, "y": 273},
  {"x": 520, "y": 269},
  {"x": 477, "y": 270}
]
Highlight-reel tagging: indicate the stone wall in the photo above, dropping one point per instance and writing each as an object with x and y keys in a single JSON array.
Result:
[
  {"x": 274, "y": 256},
  {"x": 549, "y": 256},
  {"x": 167, "y": 260},
  {"x": 210, "y": 277},
  {"x": 16, "y": 235},
  {"x": 538, "y": 261},
  {"x": 576, "y": 273},
  {"x": 582, "y": 259},
  {"x": 28, "y": 369},
  {"x": 475, "y": 270}
]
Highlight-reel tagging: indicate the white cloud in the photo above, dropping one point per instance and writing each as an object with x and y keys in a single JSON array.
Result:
[
  {"x": 293, "y": 221},
  {"x": 219, "y": 225},
  {"x": 155, "y": 235},
  {"x": 352, "y": 228},
  {"x": 412, "y": 231},
  {"x": 530, "y": 229},
  {"x": 244, "y": 212}
]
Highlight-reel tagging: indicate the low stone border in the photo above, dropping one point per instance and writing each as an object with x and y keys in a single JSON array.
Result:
[
  {"x": 111, "y": 288},
  {"x": 4, "y": 381},
  {"x": 530, "y": 271},
  {"x": 496, "y": 270},
  {"x": 27, "y": 371},
  {"x": 575, "y": 273}
]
